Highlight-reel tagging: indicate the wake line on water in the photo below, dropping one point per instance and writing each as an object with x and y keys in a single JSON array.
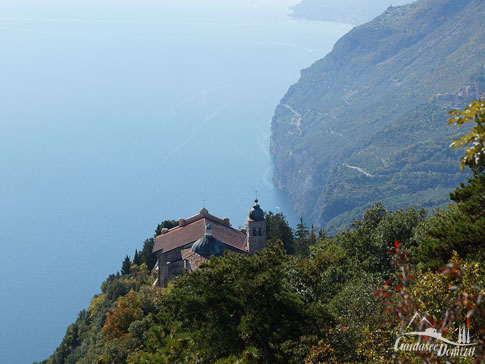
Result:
[
  {"x": 204, "y": 93},
  {"x": 193, "y": 132}
]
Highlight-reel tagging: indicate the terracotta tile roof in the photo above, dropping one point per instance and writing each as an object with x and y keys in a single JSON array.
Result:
[
  {"x": 194, "y": 259},
  {"x": 195, "y": 229}
]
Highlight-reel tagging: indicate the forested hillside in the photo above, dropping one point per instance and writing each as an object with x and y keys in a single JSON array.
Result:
[
  {"x": 364, "y": 124},
  {"x": 306, "y": 298}
]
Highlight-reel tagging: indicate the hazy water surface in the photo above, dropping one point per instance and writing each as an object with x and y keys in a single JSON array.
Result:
[{"x": 116, "y": 115}]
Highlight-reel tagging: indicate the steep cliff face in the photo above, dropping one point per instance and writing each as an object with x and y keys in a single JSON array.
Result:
[{"x": 367, "y": 122}]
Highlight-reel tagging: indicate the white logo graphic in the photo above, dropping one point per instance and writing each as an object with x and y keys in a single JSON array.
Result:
[{"x": 441, "y": 346}]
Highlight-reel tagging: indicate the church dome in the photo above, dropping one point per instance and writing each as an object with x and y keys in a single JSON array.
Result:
[
  {"x": 256, "y": 213},
  {"x": 208, "y": 245}
]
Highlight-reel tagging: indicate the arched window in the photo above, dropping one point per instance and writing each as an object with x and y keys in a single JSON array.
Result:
[
  {"x": 260, "y": 232},
  {"x": 255, "y": 232}
]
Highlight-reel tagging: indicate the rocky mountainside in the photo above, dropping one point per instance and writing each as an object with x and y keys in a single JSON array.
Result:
[{"x": 367, "y": 123}]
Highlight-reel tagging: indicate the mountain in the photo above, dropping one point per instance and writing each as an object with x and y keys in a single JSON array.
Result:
[
  {"x": 342, "y": 11},
  {"x": 367, "y": 123}
]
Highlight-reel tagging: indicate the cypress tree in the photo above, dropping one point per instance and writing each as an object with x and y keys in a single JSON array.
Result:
[
  {"x": 302, "y": 239},
  {"x": 277, "y": 228},
  {"x": 146, "y": 255},
  {"x": 137, "y": 258},
  {"x": 125, "y": 267}
]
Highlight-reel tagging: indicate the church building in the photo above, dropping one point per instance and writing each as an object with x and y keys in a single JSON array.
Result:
[{"x": 195, "y": 239}]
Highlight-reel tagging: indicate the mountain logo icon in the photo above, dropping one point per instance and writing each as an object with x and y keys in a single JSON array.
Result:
[{"x": 419, "y": 318}]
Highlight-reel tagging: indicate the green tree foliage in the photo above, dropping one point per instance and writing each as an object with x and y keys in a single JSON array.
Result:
[
  {"x": 343, "y": 273},
  {"x": 147, "y": 255},
  {"x": 137, "y": 258},
  {"x": 268, "y": 308},
  {"x": 301, "y": 231},
  {"x": 238, "y": 302},
  {"x": 82, "y": 341},
  {"x": 74, "y": 336},
  {"x": 166, "y": 345},
  {"x": 368, "y": 244},
  {"x": 165, "y": 224},
  {"x": 474, "y": 141},
  {"x": 125, "y": 267},
  {"x": 461, "y": 228},
  {"x": 278, "y": 229},
  {"x": 303, "y": 239}
]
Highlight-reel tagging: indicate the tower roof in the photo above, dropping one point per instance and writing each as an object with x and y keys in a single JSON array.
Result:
[{"x": 256, "y": 213}]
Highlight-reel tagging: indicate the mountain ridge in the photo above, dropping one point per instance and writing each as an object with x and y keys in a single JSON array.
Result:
[{"x": 377, "y": 76}]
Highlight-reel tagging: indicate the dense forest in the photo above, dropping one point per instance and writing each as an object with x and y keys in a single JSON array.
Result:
[
  {"x": 308, "y": 297},
  {"x": 364, "y": 124}
]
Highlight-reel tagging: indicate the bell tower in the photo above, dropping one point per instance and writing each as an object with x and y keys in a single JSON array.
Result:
[{"x": 256, "y": 229}]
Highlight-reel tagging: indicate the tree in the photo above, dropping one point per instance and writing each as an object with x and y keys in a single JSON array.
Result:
[
  {"x": 301, "y": 230},
  {"x": 368, "y": 244},
  {"x": 165, "y": 224},
  {"x": 126, "y": 266},
  {"x": 463, "y": 229},
  {"x": 473, "y": 142},
  {"x": 237, "y": 302},
  {"x": 312, "y": 238},
  {"x": 322, "y": 234},
  {"x": 460, "y": 228},
  {"x": 448, "y": 298},
  {"x": 119, "y": 320},
  {"x": 278, "y": 229},
  {"x": 147, "y": 255},
  {"x": 302, "y": 241},
  {"x": 137, "y": 258},
  {"x": 72, "y": 338}
]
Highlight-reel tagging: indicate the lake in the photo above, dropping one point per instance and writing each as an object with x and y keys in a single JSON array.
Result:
[{"x": 117, "y": 115}]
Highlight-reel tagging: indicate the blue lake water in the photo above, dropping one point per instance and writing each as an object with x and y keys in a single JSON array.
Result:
[{"x": 116, "y": 115}]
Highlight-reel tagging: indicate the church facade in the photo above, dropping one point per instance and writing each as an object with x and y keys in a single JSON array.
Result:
[{"x": 196, "y": 238}]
